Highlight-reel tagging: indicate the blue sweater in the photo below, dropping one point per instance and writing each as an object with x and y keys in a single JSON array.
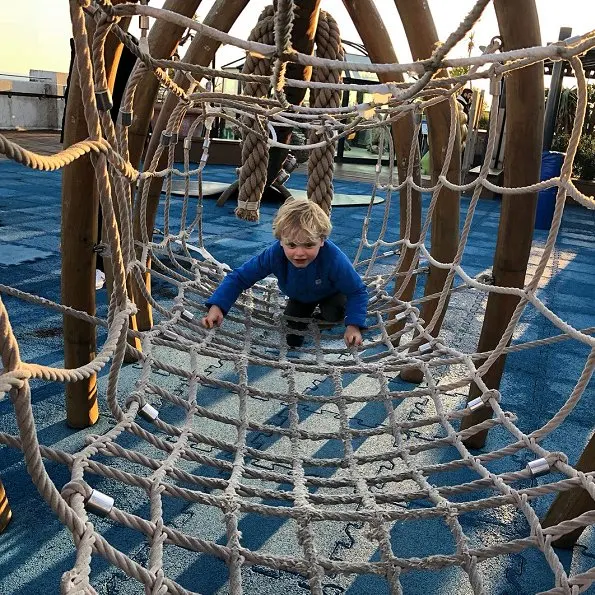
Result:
[{"x": 329, "y": 273}]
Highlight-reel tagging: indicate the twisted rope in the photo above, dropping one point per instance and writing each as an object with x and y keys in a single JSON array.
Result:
[
  {"x": 255, "y": 151},
  {"x": 321, "y": 160}
]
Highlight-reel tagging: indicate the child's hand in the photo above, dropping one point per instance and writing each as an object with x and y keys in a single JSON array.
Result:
[
  {"x": 353, "y": 335},
  {"x": 213, "y": 318}
]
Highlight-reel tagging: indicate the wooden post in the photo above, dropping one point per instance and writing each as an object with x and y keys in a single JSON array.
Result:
[
  {"x": 79, "y": 236},
  {"x": 80, "y": 205},
  {"x": 373, "y": 33},
  {"x": 202, "y": 49},
  {"x": 524, "y": 122},
  {"x": 222, "y": 16},
  {"x": 568, "y": 505},
  {"x": 114, "y": 48},
  {"x": 163, "y": 40},
  {"x": 5, "y": 512},
  {"x": 422, "y": 36}
]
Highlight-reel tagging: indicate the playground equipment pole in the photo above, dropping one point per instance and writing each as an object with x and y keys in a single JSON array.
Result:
[
  {"x": 422, "y": 36},
  {"x": 163, "y": 40},
  {"x": 373, "y": 33},
  {"x": 80, "y": 204},
  {"x": 522, "y": 162},
  {"x": 222, "y": 16}
]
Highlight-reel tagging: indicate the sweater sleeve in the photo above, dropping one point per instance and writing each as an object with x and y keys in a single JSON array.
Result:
[
  {"x": 350, "y": 283},
  {"x": 242, "y": 278}
]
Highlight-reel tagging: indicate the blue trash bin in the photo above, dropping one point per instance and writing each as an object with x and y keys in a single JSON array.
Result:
[{"x": 551, "y": 166}]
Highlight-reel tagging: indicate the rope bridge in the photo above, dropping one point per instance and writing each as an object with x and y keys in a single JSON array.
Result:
[{"x": 170, "y": 441}]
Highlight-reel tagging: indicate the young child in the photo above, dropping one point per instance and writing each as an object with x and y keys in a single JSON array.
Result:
[{"x": 311, "y": 271}]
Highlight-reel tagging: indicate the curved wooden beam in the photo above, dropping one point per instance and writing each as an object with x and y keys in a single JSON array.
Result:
[
  {"x": 568, "y": 505},
  {"x": 164, "y": 38},
  {"x": 202, "y": 50},
  {"x": 222, "y": 16},
  {"x": 423, "y": 37},
  {"x": 522, "y": 164},
  {"x": 376, "y": 40}
]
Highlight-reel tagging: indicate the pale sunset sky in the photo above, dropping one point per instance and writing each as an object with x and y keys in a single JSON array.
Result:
[{"x": 35, "y": 33}]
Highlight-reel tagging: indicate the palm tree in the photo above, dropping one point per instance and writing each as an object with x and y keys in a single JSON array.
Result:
[{"x": 584, "y": 162}]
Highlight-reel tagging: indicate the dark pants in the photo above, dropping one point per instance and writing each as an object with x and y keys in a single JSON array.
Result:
[{"x": 332, "y": 309}]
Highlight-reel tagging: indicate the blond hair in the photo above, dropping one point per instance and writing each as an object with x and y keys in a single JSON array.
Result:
[{"x": 299, "y": 217}]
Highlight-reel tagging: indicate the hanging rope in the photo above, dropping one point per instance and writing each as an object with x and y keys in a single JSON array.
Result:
[
  {"x": 253, "y": 172},
  {"x": 255, "y": 150},
  {"x": 321, "y": 160}
]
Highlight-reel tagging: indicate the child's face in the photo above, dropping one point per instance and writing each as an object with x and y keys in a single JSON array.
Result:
[{"x": 301, "y": 250}]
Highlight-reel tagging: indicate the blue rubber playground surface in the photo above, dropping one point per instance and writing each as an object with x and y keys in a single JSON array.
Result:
[{"x": 35, "y": 549}]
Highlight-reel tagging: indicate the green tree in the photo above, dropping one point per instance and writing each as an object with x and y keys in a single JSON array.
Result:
[{"x": 584, "y": 161}]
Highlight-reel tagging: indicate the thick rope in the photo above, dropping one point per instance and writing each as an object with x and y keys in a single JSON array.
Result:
[
  {"x": 255, "y": 150},
  {"x": 321, "y": 161}
]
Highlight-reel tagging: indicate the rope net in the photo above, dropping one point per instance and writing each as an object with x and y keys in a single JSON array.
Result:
[{"x": 261, "y": 452}]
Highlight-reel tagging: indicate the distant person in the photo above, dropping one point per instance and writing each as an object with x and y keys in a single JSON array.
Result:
[
  {"x": 311, "y": 270},
  {"x": 465, "y": 100}
]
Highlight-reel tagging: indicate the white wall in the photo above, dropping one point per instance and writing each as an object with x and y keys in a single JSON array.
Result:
[{"x": 36, "y": 103}]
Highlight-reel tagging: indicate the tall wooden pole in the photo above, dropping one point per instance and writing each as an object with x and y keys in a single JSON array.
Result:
[
  {"x": 222, "y": 16},
  {"x": 422, "y": 36},
  {"x": 5, "y": 512},
  {"x": 522, "y": 163},
  {"x": 164, "y": 38},
  {"x": 79, "y": 236},
  {"x": 373, "y": 33}
]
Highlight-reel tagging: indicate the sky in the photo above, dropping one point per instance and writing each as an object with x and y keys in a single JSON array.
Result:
[{"x": 34, "y": 34}]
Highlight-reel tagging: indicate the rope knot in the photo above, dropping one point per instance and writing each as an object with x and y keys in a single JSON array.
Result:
[
  {"x": 74, "y": 581},
  {"x": 491, "y": 394},
  {"x": 556, "y": 457},
  {"x": 73, "y": 488},
  {"x": 135, "y": 397}
]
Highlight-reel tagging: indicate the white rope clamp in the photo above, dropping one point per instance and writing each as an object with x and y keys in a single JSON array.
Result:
[
  {"x": 99, "y": 503},
  {"x": 249, "y": 206},
  {"x": 538, "y": 467},
  {"x": 148, "y": 412}
]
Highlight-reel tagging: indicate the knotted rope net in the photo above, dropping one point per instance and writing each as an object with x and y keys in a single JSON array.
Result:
[{"x": 259, "y": 453}]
